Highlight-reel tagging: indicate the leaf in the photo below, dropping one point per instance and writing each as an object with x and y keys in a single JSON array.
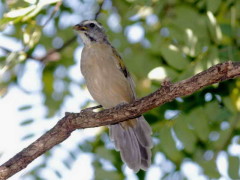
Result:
[
  {"x": 38, "y": 8},
  {"x": 213, "y": 27},
  {"x": 223, "y": 139},
  {"x": 67, "y": 164},
  {"x": 72, "y": 155},
  {"x": 233, "y": 167},
  {"x": 106, "y": 175},
  {"x": 26, "y": 122},
  {"x": 162, "y": 72},
  {"x": 31, "y": 1},
  {"x": 199, "y": 123},
  {"x": 4, "y": 21},
  {"x": 31, "y": 35},
  {"x": 210, "y": 168},
  {"x": 105, "y": 153},
  {"x": 139, "y": 62},
  {"x": 184, "y": 134},
  {"x": 206, "y": 60},
  {"x": 58, "y": 174},
  {"x": 19, "y": 12},
  {"x": 168, "y": 145},
  {"x": 48, "y": 80},
  {"x": 28, "y": 136},
  {"x": 25, "y": 107},
  {"x": 174, "y": 57},
  {"x": 215, "y": 112},
  {"x": 213, "y": 6},
  {"x": 185, "y": 18},
  {"x": 25, "y": 13}
]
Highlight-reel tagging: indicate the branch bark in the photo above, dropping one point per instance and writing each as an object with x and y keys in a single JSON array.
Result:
[{"x": 87, "y": 118}]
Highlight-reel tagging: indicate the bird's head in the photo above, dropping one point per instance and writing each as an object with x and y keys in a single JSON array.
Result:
[{"x": 91, "y": 31}]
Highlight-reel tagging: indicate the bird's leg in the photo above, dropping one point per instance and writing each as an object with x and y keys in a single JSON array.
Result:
[
  {"x": 118, "y": 106},
  {"x": 124, "y": 103},
  {"x": 86, "y": 110},
  {"x": 90, "y": 109},
  {"x": 166, "y": 82}
]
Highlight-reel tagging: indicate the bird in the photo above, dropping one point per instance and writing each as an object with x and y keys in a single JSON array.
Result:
[{"x": 110, "y": 84}]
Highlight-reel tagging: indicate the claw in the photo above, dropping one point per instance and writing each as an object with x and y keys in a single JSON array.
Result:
[
  {"x": 90, "y": 109},
  {"x": 166, "y": 82}
]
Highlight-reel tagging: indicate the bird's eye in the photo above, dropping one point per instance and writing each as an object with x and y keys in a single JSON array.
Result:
[{"x": 92, "y": 25}]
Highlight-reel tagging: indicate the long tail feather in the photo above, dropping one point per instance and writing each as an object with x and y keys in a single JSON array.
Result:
[{"x": 134, "y": 143}]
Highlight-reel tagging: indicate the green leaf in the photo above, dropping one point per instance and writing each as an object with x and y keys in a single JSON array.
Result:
[
  {"x": 223, "y": 139},
  {"x": 185, "y": 19},
  {"x": 168, "y": 145},
  {"x": 58, "y": 174},
  {"x": 215, "y": 112},
  {"x": 137, "y": 60},
  {"x": 25, "y": 13},
  {"x": 19, "y": 12},
  {"x": 184, "y": 134},
  {"x": 4, "y": 21},
  {"x": 38, "y": 8},
  {"x": 106, "y": 175},
  {"x": 213, "y": 6},
  {"x": 174, "y": 57},
  {"x": 205, "y": 61},
  {"x": 25, "y": 107},
  {"x": 199, "y": 123},
  {"x": 105, "y": 153},
  {"x": 210, "y": 168},
  {"x": 213, "y": 27},
  {"x": 233, "y": 167},
  {"x": 31, "y": 35},
  {"x": 67, "y": 164},
  {"x": 48, "y": 80},
  {"x": 26, "y": 122},
  {"x": 28, "y": 136},
  {"x": 228, "y": 102}
]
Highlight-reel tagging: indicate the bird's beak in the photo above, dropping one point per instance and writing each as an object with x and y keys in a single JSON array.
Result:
[{"x": 79, "y": 27}]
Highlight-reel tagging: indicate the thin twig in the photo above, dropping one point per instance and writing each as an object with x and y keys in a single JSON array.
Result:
[
  {"x": 66, "y": 44},
  {"x": 56, "y": 8},
  {"x": 5, "y": 49},
  {"x": 99, "y": 10}
]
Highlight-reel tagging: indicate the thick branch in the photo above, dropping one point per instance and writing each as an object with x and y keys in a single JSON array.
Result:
[{"x": 87, "y": 119}]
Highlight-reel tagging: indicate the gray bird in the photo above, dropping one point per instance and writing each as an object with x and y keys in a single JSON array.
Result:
[{"x": 110, "y": 84}]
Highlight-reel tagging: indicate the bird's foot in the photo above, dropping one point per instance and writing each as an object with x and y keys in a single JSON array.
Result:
[
  {"x": 120, "y": 104},
  {"x": 90, "y": 109},
  {"x": 166, "y": 82}
]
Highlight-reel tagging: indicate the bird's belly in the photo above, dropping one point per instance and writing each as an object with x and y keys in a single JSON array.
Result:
[{"x": 108, "y": 87}]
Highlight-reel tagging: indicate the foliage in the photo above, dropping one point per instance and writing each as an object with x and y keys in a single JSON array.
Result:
[{"x": 179, "y": 39}]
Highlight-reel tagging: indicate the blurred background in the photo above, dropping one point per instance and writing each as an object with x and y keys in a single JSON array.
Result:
[{"x": 195, "y": 137}]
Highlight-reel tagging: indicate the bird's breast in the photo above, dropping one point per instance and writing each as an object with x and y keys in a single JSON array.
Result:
[{"x": 104, "y": 80}]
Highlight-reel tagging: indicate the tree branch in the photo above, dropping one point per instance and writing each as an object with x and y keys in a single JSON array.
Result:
[
  {"x": 87, "y": 118},
  {"x": 99, "y": 10},
  {"x": 54, "y": 51}
]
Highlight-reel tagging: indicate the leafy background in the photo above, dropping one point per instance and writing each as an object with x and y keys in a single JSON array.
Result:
[{"x": 195, "y": 136}]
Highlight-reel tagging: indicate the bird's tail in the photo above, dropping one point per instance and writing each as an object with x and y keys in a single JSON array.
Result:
[{"x": 134, "y": 143}]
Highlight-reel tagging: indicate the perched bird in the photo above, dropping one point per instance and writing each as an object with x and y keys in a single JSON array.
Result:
[{"x": 110, "y": 84}]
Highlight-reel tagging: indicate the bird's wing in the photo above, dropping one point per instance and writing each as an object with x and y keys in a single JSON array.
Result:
[{"x": 120, "y": 64}]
